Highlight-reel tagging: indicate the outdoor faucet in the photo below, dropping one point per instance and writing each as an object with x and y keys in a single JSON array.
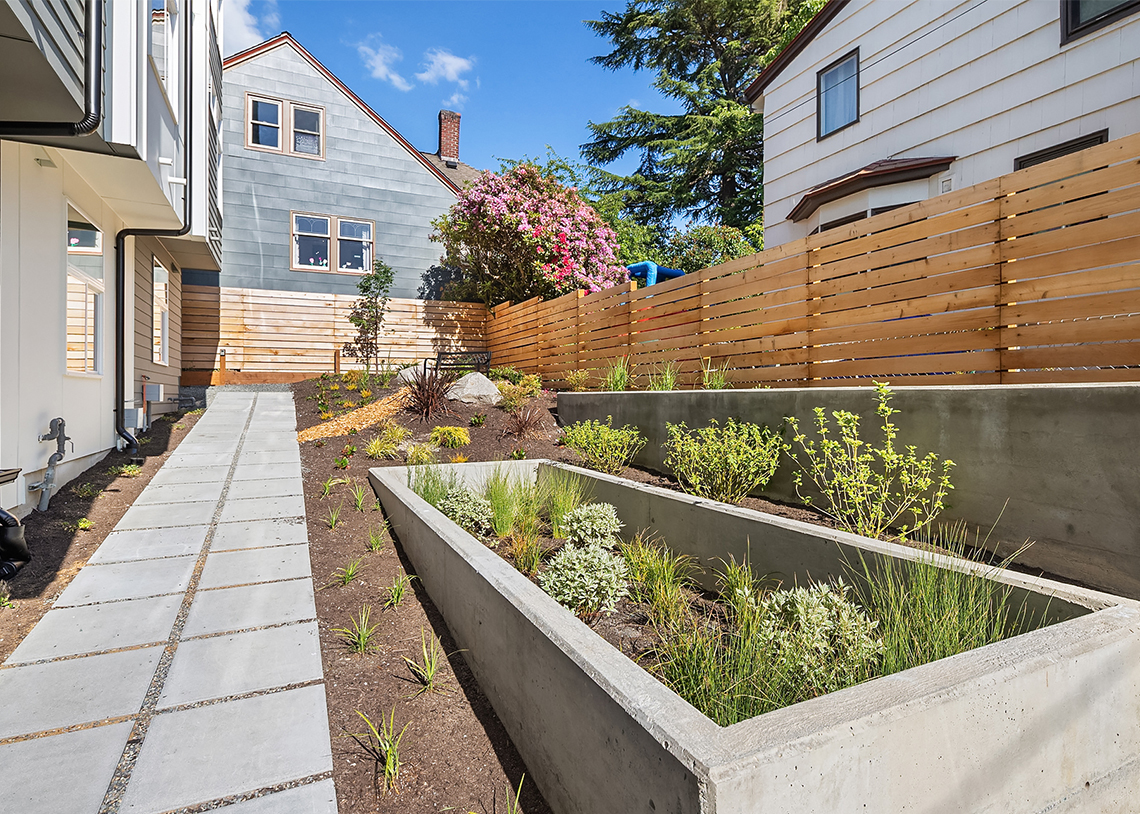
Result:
[{"x": 57, "y": 433}]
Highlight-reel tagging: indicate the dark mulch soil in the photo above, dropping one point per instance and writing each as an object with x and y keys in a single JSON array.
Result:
[
  {"x": 456, "y": 754},
  {"x": 59, "y": 549}
]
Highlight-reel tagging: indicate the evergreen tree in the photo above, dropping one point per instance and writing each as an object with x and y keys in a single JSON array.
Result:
[{"x": 706, "y": 162}]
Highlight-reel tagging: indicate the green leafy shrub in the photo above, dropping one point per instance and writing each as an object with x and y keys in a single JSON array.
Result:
[
  {"x": 450, "y": 437},
  {"x": 603, "y": 447},
  {"x": 531, "y": 383},
  {"x": 722, "y": 463},
  {"x": 866, "y": 488},
  {"x": 577, "y": 381},
  {"x": 514, "y": 396},
  {"x": 592, "y": 524},
  {"x": 472, "y": 512},
  {"x": 702, "y": 246},
  {"x": 587, "y": 580},
  {"x": 507, "y": 373}
]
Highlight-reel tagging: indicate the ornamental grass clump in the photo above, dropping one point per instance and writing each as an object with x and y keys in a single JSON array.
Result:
[
  {"x": 470, "y": 511},
  {"x": 565, "y": 492},
  {"x": 619, "y": 376},
  {"x": 665, "y": 377},
  {"x": 722, "y": 463},
  {"x": 592, "y": 524},
  {"x": 928, "y": 611},
  {"x": 602, "y": 446},
  {"x": 774, "y": 649},
  {"x": 450, "y": 437},
  {"x": 589, "y": 581},
  {"x": 865, "y": 488},
  {"x": 430, "y": 483},
  {"x": 500, "y": 493}
]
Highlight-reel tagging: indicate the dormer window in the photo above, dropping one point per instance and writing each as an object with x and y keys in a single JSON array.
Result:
[
  {"x": 837, "y": 95},
  {"x": 281, "y": 126}
]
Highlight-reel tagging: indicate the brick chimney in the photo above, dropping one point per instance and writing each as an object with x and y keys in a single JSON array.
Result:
[{"x": 449, "y": 135}]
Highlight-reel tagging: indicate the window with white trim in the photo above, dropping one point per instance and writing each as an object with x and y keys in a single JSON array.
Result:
[
  {"x": 354, "y": 246},
  {"x": 281, "y": 126},
  {"x": 161, "y": 312},
  {"x": 311, "y": 239},
  {"x": 329, "y": 243},
  {"x": 264, "y": 123},
  {"x": 84, "y": 322}
]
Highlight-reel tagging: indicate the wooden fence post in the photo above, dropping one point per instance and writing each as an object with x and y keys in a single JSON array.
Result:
[
  {"x": 222, "y": 367},
  {"x": 336, "y": 361}
]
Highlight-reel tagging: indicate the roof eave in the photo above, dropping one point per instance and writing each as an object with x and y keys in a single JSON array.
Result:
[
  {"x": 856, "y": 182},
  {"x": 817, "y": 23}
]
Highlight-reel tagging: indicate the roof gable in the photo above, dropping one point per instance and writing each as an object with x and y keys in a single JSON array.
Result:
[{"x": 286, "y": 39}]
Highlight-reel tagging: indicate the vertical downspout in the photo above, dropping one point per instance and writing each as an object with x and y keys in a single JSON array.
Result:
[
  {"x": 121, "y": 239},
  {"x": 93, "y": 87}
]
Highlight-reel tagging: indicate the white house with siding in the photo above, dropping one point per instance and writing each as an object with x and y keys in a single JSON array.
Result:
[
  {"x": 880, "y": 103},
  {"x": 110, "y": 120}
]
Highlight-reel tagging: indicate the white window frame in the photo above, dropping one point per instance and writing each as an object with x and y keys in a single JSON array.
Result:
[
  {"x": 92, "y": 288},
  {"x": 369, "y": 245},
  {"x": 160, "y": 316},
  {"x": 334, "y": 238},
  {"x": 285, "y": 126},
  {"x": 294, "y": 233},
  {"x": 250, "y": 144}
]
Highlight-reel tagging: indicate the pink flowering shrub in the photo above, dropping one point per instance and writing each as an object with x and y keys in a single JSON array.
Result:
[{"x": 522, "y": 234}]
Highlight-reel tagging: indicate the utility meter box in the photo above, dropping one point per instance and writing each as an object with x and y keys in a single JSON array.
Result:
[{"x": 154, "y": 392}]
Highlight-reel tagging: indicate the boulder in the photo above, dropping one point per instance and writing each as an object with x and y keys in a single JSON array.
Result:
[
  {"x": 475, "y": 388},
  {"x": 405, "y": 375}
]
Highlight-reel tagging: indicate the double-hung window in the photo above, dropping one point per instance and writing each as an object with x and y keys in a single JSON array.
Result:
[
  {"x": 326, "y": 243},
  {"x": 837, "y": 95},
  {"x": 161, "y": 310},
  {"x": 281, "y": 126},
  {"x": 354, "y": 248},
  {"x": 311, "y": 239},
  {"x": 264, "y": 123},
  {"x": 84, "y": 331}
]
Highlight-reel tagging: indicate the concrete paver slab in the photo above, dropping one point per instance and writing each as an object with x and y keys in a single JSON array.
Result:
[
  {"x": 64, "y": 773},
  {"x": 166, "y": 515},
  {"x": 225, "y": 568},
  {"x": 257, "y": 456},
  {"x": 260, "y": 533},
  {"x": 262, "y": 508},
  {"x": 250, "y": 606},
  {"x": 270, "y": 487},
  {"x": 244, "y": 471},
  {"x": 128, "y": 580},
  {"x": 202, "y": 474},
  {"x": 233, "y": 747},
  {"x": 181, "y": 493},
  {"x": 39, "y": 697},
  {"x": 177, "y": 461},
  {"x": 92, "y": 628},
  {"x": 239, "y": 663},
  {"x": 263, "y": 437},
  {"x": 315, "y": 798},
  {"x": 147, "y": 544}
]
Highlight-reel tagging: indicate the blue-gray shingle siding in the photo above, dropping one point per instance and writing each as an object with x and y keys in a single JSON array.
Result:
[{"x": 366, "y": 174}]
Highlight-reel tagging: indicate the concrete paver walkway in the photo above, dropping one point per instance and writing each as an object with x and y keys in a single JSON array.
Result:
[{"x": 180, "y": 669}]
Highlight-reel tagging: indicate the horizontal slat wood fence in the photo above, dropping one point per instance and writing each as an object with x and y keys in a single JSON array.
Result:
[
  {"x": 1030, "y": 277},
  {"x": 283, "y": 335}
]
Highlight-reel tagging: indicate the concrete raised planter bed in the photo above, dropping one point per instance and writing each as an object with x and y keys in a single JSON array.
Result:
[{"x": 1049, "y": 720}]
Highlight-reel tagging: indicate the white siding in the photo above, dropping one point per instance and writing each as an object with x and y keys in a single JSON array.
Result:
[{"x": 985, "y": 81}]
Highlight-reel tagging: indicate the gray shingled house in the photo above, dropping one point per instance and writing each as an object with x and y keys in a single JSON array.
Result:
[{"x": 315, "y": 183}]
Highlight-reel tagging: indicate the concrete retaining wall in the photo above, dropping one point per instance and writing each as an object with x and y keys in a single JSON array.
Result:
[
  {"x": 1064, "y": 456},
  {"x": 1046, "y": 721}
]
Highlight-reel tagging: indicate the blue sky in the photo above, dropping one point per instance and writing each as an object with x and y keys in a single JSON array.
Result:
[{"x": 517, "y": 70}]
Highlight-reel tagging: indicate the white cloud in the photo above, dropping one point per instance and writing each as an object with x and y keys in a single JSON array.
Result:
[
  {"x": 442, "y": 64},
  {"x": 379, "y": 61},
  {"x": 633, "y": 103},
  {"x": 455, "y": 101},
  {"x": 242, "y": 29}
]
